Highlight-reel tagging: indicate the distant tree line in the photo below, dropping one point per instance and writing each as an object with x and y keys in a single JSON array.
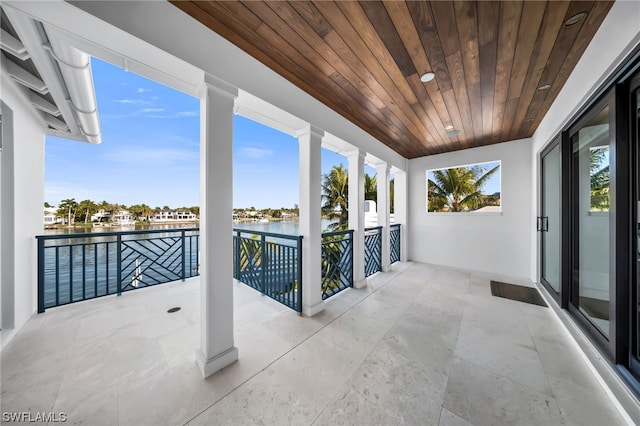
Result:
[{"x": 69, "y": 209}]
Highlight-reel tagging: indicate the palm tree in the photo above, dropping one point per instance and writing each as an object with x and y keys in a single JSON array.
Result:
[
  {"x": 87, "y": 207},
  {"x": 370, "y": 188},
  {"x": 335, "y": 191},
  {"x": 66, "y": 208},
  {"x": 458, "y": 188}
]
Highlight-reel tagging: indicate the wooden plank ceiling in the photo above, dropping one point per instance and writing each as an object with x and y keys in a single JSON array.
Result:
[{"x": 498, "y": 65}]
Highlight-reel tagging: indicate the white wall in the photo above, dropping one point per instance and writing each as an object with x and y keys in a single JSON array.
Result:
[
  {"x": 496, "y": 243},
  {"x": 28, "y": 198},
  {"x": 616, "y": 38}
]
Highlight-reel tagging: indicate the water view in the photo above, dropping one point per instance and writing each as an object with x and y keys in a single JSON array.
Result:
[{"x": 275, "y": 227}]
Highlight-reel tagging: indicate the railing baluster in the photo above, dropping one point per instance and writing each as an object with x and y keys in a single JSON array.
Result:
[
  {"x": 84, "y": 272},
  {"x": 41, "y": 283},
  {"x": 57, "y": 275},
  {"x": 263, "y": 262},
  {"x": 70, "y": 273},
  {"x": 184, "y": 263},
  {"x": 119, "y": 265},
  {"x": 95, "y": 270}
]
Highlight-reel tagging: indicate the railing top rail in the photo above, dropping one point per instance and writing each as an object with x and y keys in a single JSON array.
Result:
[
  {"x": 373, "y": 228},
  {"x": 268, "y": 234},
  {"x": 336, "y": 233},
  {"x": 112, "y": 234},
  {"x": 395, "y": 225}
]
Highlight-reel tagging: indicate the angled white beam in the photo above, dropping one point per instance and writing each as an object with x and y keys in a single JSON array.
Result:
[
  {"x": 55, "y": 123},
  {"x": 43, "y": 105},
  {"x": 14, "y": 46},
  {"x": 24, "y": 77}
]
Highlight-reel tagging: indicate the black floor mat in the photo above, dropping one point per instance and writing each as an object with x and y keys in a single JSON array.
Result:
[{"x": 517, "y": 292}]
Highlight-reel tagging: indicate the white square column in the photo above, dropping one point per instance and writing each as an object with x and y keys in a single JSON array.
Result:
[
  {"x": 400, "y": 209},
  {"x": 310, "y": 142},
  {"x": 217, "y": 348},
  {"x": 356, "y": 213},
  {"x": 382, "y": 170}
]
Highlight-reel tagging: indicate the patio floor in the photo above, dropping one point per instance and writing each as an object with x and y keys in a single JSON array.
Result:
[{"x": 419, "y": 345}]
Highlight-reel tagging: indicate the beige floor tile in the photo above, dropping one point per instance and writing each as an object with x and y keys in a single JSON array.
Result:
[
  {"x": 420, "y": 344},
  {"x": 264, "y": 400},
  {"x": 483, "y": 398}
]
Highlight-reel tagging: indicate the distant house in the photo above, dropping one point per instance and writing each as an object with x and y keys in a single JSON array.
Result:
[
  {"x": 51, "y": 217},
  {"x": 123, "y": 217},
  {"x": 173, "y": 216}
]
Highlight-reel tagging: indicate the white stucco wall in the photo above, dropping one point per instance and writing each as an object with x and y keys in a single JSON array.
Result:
[
  {"x": 28, "y": 185},
  {"x": 616, "y": 38},
  {"x": 496, "y": 243}
]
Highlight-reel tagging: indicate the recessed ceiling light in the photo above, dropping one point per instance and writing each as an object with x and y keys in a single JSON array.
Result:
[
  {"x": 544, "y": 87},
  {"x": 453, "y": 133},
  {"x": 575, "y": 19},
  {"x": 449, "y": 127},
  {"x": 428, "y": 76}
]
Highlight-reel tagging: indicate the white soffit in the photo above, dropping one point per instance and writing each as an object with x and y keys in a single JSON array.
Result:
[{"x": 65, "y": 75}]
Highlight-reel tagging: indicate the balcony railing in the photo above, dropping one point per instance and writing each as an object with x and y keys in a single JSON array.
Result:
[
  {"x": 337, "y": 262},
  {"x": 394, "y": 243},
  {"x": 76, "y": 267},
  {"x": 270, "y": 263},
  {"x": 372, "y": 250}
]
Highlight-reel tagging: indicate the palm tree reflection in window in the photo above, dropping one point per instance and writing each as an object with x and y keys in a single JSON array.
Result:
[{"x": 600, "y": 177}]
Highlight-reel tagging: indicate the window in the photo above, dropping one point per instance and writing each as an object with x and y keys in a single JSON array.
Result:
[{"x": 471, "y": 188}]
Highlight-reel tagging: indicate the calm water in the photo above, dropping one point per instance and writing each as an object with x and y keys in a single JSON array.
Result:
[{"x": 287, "y": 228}]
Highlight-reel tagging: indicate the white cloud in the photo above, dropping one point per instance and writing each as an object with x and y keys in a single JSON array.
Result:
[
  {"x": 132, "y": 101},
  {"x": 147, "y": 110},
  {"x": 255, "y": 153},
  {"x": 142, "y": 90},
  {"x": 158, "y": 157},
  {"x": 187, "y": 114}
]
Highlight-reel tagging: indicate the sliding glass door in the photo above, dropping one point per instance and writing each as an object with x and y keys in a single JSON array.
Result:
[
  {"x": 634, "y": 229},
  {"x": 549, "y": 219},
  {"x": 592, "y": 287}
]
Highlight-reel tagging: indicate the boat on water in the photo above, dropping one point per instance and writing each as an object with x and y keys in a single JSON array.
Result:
[{"x": 124, "y": 222}]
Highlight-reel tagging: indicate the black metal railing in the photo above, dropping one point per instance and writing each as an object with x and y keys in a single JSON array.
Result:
[
  {"x": 394, "y": 243},
  {"x": 337, "y": 262},
  {"x": 76, "y": 267},
  {"x": 372, "y": 250},
  {"x": 270, "y": 263}
]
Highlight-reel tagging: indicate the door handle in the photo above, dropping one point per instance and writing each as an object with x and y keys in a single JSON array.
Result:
[
  {"x": 539, "y": 223},
  {"x": 545, "y": 224}
]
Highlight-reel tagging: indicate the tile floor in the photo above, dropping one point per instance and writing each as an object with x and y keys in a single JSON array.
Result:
[{"x": 420, "y": 345}]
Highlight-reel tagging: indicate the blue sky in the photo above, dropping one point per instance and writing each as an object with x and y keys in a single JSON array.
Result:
[{"x": 150, "y": 151}]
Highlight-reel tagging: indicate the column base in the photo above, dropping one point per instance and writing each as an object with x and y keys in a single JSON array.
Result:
[
  {"x": 209, "y": 366},
  {"x": 360, "y": 284},
  {"x": 309, "y": 311},
  {"x": 386, "y": 268}
]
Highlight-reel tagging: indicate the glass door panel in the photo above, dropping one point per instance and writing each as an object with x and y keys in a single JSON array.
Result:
[
  {"x": 550, "y": 219},
  {"x": 635, "y": 141},
  {"x": 591, "y": 202}
]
